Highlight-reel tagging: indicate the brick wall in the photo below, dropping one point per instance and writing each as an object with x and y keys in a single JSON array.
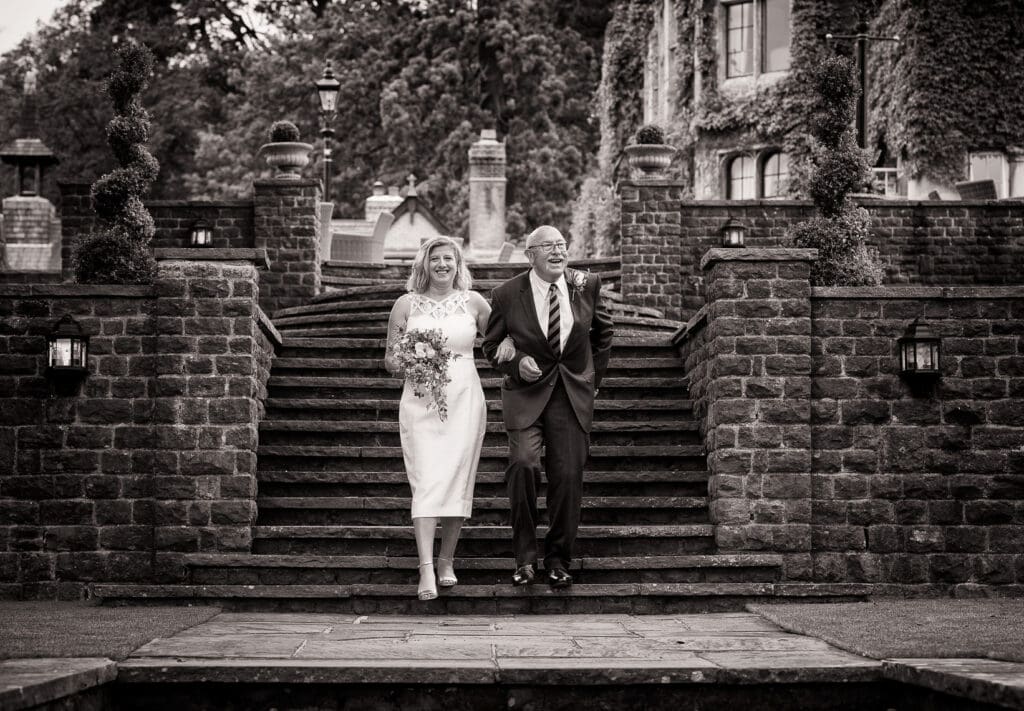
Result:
[
  {"x": 649, "y": 247},
  {"x": 231, "y": 221},
  {"x": 820, "y": 451},
  {"x": 926, "y": 243},
  {"x": 287, "y": 225},
  {"x": 911, "y": 487},
  {"x": 156, "y": 449}
]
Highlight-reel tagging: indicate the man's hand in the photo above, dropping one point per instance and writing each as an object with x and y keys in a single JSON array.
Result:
[{"x": 528, "y": 369}]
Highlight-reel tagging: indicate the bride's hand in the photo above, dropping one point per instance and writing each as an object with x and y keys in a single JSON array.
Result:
[
  {"x": 506, "y": 351},
  {"x": 391, "y": 365}
]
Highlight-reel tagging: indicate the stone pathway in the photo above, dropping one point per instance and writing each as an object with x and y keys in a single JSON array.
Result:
[
  {"x": 727, "y": 647},
  {"x": 304, "y": 648}
]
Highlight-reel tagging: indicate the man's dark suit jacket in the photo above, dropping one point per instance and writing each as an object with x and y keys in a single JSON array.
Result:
[{"x": 583, "y": 361}]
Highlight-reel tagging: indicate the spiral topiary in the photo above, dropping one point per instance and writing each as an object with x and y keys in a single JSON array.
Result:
[
  {"x": 117, "y": 251},
  {"x": 839, "y": 230}
]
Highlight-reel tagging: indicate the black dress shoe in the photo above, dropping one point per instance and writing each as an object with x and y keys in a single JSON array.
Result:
[
  {"x": 559, "y": 578},
  {"x": 524, "y": 575}
]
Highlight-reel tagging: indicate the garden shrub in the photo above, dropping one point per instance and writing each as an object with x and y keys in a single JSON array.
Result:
[
  {"x": 117, "y": 251},
  {"x": 284, "y": 132},
  {"x": 840, "y": 229}
]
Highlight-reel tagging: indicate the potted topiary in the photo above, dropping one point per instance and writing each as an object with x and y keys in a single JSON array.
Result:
[
  {"x": 285, "y": 153},
  {"x": 649, "y": 153}
]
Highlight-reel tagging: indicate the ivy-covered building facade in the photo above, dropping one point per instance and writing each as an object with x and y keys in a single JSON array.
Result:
[{"x": 729, "y": 80}]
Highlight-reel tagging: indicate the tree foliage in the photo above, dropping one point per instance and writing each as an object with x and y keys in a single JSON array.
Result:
[
  {"x": 419, "y": 80},
  {"x": 118, "y": 251}
]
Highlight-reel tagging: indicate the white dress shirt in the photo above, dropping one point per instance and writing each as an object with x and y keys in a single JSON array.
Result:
[{"x": 540, "y": 300}]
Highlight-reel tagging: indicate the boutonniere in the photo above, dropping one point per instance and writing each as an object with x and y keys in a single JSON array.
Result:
[{"x": 577, "y": 281}]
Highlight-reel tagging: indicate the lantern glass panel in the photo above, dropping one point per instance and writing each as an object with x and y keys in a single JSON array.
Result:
[
  {"x": 924, "y": 356},
  {"x": 60, "y": 353},
  {"x": 328, "y": 98}
]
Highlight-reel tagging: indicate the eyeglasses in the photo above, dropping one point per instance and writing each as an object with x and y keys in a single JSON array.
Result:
[{"x": 549, "y": 247}]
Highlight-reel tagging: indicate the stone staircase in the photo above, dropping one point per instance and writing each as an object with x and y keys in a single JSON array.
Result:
[{"x": 333, "y": 529}]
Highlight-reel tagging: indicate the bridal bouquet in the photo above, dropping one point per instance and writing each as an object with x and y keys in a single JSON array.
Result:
[{"x": 423, "y": 356}]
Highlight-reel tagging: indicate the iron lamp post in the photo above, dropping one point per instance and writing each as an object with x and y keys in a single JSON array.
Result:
[{"x": 327, "y": 89}]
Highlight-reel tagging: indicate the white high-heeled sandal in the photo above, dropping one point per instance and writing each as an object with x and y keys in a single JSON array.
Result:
[
  {"x": 446, "y": 581},
  {"x": 430, "y": 592}
]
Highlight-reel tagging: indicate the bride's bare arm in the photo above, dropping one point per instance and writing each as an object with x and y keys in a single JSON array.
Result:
[{"x": 396, "y": 326}]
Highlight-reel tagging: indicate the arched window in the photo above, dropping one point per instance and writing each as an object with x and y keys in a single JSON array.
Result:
[
  {"x": 775, "y": 175},
  {"x": 740, "y": 178}
]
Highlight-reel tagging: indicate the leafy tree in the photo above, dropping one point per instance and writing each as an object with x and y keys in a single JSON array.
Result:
[
  {"x": 839, "y": 230},
  {"x": 412, "y": 101},
  {"x": 118, "y": 252}
]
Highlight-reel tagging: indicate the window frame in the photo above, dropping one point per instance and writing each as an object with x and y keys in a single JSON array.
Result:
[
  {"x": 728, "y": 160},
  {"x": 764, "y": 156},
  {"x": 758, "y": 58}
]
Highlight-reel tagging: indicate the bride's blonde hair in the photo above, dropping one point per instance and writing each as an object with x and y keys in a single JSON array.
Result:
[{"x": 419, "y": 278}]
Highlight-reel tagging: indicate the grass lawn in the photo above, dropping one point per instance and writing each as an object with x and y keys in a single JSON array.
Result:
[
  {"x": 82, "y": 629},
  {"x": 884, "y": 629}
]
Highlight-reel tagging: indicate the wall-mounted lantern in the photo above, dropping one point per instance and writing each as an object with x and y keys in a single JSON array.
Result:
[
  {"x": 920, "y": 351},
  {"x": 733, "y": 233},
  {"x": 201, "y": 235},
  {"x": 68, "y": 349}
]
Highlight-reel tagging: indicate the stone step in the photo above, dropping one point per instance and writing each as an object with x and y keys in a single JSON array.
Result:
[
  {"x": 369, "y": 309},
  {"x": 488, "y": 483},
  {"x": 248, "y": 569},
  {"x": 342, "y": 458},
  {"x": 386, "y": 433},
  {"x": 483, "y": 540},
  {"x": 494, "y": 510},
  {"x": 489, "y": 600},
  {"x": 632, "y": 346},
  {"x": 398, "y": 269},
  {"x": 377, "y": 409},
  {"x": 623, "y": 324},
  {"x": 631, "y": 388},
  {"x": 665, "y": 367}
]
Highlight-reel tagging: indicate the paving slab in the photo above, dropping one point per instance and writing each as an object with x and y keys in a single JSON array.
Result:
[
  {"x": 25, "y": 683},
  {"x": 607, "y": 648},
  {"x": 987, "y": 681}
]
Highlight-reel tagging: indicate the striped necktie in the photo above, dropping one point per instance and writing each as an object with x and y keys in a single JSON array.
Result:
[{"x": 554, "y": 321}]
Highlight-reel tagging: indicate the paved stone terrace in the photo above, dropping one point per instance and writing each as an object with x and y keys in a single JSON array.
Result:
[{"x": 572, "y": 651}]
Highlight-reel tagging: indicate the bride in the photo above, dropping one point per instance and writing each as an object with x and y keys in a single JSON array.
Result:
[{"x": 441, "y": 456}]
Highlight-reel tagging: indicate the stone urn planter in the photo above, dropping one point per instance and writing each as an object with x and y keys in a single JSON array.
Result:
[
  {"x": 650, "y": 159},
  {"x": 287, "y": 158}
]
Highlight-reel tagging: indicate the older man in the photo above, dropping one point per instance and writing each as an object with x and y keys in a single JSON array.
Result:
[{"x": 563, "y": 339}]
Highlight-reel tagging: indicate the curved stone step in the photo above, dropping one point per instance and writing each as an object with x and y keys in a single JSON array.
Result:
[
  {"x": 392, "y": 426},
  {"x": 303, "y": 406},
  {"x": 482, "y": 503},
  {"x": 382, "y": 308}
]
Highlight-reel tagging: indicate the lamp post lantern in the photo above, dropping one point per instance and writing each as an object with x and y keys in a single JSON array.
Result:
[{"x": 327, "y": 89}]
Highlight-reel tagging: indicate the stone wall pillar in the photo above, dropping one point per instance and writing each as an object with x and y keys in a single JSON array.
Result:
[
  {"x": 650, "y": 250},
  {"x": 76, "y": 218},
  {"x": 287, "y": 225},
  {"x": 758, "y": 399},
  {"x": 486, "y": 196}
]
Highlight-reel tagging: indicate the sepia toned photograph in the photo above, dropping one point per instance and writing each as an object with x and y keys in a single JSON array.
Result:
[{"x": 525, "y": 355}]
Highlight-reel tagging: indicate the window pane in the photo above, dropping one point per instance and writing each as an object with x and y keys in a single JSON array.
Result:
[
  {"x": 776, "y": 35},
  {"x": 741, "y": 178},
  {"x": 739, "y": 39},
  {"x": 776, "y": 175}
]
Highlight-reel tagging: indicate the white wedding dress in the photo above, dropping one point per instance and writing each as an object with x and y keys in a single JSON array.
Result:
[{"x": 441, "y": 458}]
